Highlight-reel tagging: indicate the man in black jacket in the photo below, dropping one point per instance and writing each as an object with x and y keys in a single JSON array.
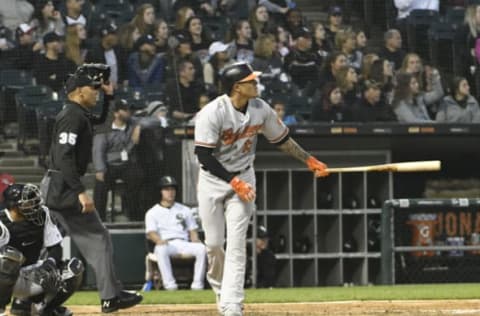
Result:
[
  {"x": 70, "y": 153},
  {"x": 371, "y": 108}
]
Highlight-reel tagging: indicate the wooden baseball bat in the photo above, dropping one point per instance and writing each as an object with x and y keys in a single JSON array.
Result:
[{"x": 411, "y": 166}]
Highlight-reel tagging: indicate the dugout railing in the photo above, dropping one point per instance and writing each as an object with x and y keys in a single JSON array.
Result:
[{"x": 430, "y": 241}]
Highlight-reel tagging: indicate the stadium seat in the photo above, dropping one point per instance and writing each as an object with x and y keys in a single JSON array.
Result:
[
  {"x": 217, "y": 26},
  {"x": 418, "y": 24},
  {"x": 26, "y": 101},
  {"x": 441, "y": 36},
  {"x": 11, "y": 81},
  {"x": 455, "y": 15}
]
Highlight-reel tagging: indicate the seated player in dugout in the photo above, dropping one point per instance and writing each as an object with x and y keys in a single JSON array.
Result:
[
  {"x": 39, "y": 284},
  {"x": 172, "y": 227}
]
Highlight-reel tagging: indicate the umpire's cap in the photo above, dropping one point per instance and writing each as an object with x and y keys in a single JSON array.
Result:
[
  {"x": 167, "y": 181},
  {"x": 236, "y": 73},
  {"x": 93, "y": 75}
]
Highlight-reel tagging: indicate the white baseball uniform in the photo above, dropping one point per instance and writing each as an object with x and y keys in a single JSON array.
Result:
[
  {"x": 173, "y": 224},
  {"x": 233, "y": 135}
]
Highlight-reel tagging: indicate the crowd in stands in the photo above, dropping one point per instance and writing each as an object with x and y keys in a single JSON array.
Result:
[{"x": 321, "y": 72}]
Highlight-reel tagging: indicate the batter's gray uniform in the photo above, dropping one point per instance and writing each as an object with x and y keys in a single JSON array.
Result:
[{"x": 233, "y": 135}]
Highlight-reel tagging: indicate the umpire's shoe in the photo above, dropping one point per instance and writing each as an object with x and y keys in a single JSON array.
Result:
[{"x": 126, "y": 299}]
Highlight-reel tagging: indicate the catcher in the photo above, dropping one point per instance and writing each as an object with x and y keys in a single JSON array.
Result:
[{"x": 31, "y": 267}]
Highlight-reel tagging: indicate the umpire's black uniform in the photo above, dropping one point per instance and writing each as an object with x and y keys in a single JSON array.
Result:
[{"x": 70, "y": 153}]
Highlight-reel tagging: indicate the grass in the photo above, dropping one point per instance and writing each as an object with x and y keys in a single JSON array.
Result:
[{"x": 317, "y": 294}]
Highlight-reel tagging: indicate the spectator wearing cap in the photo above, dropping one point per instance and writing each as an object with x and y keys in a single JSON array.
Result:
[
  {"x": 334, "y": 23},
  {"x": 199, "y": 38},
  {"x": 73, "y": 13},
  {"x": 266, "y": 260},
  {"x": 302, "y": 64},
  {"x": 370, "y": 107},
  {"x": 180, "y": 49},
  {"x": 15, "y": 12},
  {"x": 75, "y": 50},
  {"x": 52, "y": 68},
  {"x": 242, "y": 44},
  {"x": 115, "y": 157},
  {"x": 219, "y": 58},
  {"x": 26, "y": 49},
  {"x": 46, "y": 19},
  {"x": 145, "y": 67},
  {"x": 108, "y": 51},
  {"x": 392, "y": 49},
  {"x": 182, "y": 92}
]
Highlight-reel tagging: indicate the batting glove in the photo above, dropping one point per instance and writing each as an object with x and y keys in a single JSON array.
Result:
[
  {"x": 244, "y": 190},
  {"x": 317, "y": 167}
]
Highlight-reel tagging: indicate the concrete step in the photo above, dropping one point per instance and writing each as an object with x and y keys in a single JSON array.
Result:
[
  {"x": 11, "y": 154},
  {"x": 35, "y": 179},
  {"x": 14, "y": 170},
  {"x": 17, "y": 162}
]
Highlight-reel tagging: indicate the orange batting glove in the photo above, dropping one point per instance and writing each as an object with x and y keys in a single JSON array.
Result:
[
  {"x": 317, "y": 167},
  {"x": 244, "y": 190}
]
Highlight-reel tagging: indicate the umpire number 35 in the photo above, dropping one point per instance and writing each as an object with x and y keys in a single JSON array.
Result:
[{"x": 67, "y": 138}]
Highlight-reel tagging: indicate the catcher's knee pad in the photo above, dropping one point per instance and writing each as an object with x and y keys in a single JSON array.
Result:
[{"x": 72, "y": 275}]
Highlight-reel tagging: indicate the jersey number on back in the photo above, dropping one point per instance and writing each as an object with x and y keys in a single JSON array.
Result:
[{"x": 67, "y": 138}]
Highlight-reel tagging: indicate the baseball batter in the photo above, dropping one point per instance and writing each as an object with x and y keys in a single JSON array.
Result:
[{"x": 225, "y": 140}]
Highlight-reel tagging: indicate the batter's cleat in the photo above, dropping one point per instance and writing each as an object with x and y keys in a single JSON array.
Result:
[
  {"x": 20, "y": 307},
  {"x": 148, "y": 286},
  {"x": 126, "y": 299}
]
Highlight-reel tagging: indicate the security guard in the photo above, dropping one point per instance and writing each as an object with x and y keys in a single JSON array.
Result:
[{"x": 65, "y": 194}]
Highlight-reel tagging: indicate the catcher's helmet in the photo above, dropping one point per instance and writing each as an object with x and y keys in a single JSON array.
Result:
[
  {"x": 235, "y": 73},
  {"x": 27, "y": 198},
  {"x": 168, "y": 181}
]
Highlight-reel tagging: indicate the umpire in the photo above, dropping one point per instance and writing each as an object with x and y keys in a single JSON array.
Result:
[{"x": 65, "y": 195}]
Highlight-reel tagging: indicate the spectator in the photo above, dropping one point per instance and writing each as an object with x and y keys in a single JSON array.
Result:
[
  {"x": 6, "y": 40},
  {"x": 182, "y": 50},
  {"x": 219, "y": 58},
  {"x": 267, "y": 59},
  {"x": 259, "y": 21},
  {"x": 15, "y": 12},
  {"x": 459, "y": 106},
  {"x": 266, "y": 260},
  {"x": 367, "y": 62},
  {"x": 334, "y": 23},
  {"x": 345, "y": 42},
  {"x": 294, "y": 19},
  {"x": 408, "y": 103},
  {"x": 332, "y": 64},
  {"x": 74, "y": 12},
  {"x": 108, "y": 52},
  {"x": 242, "y": 45},
  {"x": 52, "y": 68},
  {"x": 161, "y": 34},
  {"x": 74, "y": 41},
  {"x": 382, "y": 72},
  {"x": 347, "y": 81},
  {"x": 301, "y": 63},
  {"x": 392, "y": 50},
  {"x": 361, "y": 41},
  {"x": 26, "y": 50},
  {"x": 320, "y": 45},
  {"x": 183, "y": 14},
  {"x": 183, "y": 92},
  {"x": 173, "y": 229},
  {"x": 371, "y": 108},
  {"x": 114, "y": 157},
  {"x": 469, "y": 34},
  {"x": 46, "y": 19},
  {"x": 203, "y": 7},
  {"x": 199, "y": 39},
  {"x": 279, "y": 108},
  {"x": 331, "y": 107},
  {"x": 278, "y": 9},
  {"x": 145, "y": 67},
  {"x": 142, "y": 24}
]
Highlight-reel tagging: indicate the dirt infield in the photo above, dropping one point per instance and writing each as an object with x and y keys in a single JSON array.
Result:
[{"x": 350, "y": 308}]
